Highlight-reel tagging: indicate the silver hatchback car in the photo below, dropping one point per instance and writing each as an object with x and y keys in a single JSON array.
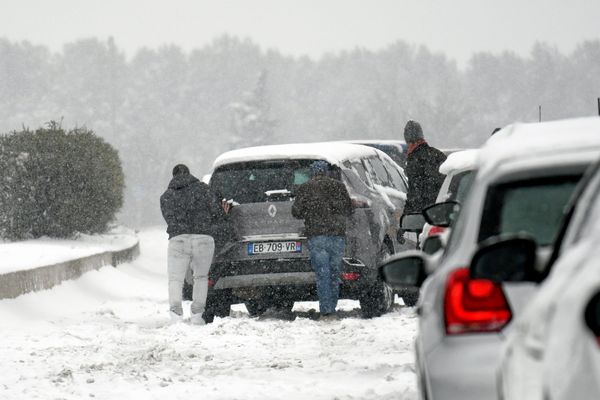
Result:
[{"x": 526, "y": 174}]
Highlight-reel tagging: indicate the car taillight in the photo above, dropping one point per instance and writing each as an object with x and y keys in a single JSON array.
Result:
[
  {"x": 211, "y": 283},
  {"x": 436, "y": 230},
  {"x": 474, "y": 305},
  {"x": 350, "y": 276}
]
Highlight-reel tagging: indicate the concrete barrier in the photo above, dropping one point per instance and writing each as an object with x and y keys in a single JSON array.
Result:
[{"x": 14, "y": 284}]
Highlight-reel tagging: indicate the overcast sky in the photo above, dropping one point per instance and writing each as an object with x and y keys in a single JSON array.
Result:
[{"x": 312, "y": 27}]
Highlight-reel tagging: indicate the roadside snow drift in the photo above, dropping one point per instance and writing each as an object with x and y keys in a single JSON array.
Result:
[{"x": 107, "y": 336}]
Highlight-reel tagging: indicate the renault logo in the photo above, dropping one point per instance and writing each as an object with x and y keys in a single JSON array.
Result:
[{"x": 272, "y": 211}]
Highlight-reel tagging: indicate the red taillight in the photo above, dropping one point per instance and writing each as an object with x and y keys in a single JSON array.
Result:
[
  {"x": 436, "y": 230},
  {"x": 211, "y": 283},
  {"x": 474, "y": 305},
  {"x": 350, "y": 276}
]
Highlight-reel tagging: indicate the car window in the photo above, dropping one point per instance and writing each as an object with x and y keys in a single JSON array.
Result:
[
  {"x": 377, "y": 171},
  {"x": 359, "y": 168},
  {"x": 535, "y": 207},
  {"x": 592, "y": 212},
  {"x": 248, "y": 182},
  {"x": 394, "y": 173}
]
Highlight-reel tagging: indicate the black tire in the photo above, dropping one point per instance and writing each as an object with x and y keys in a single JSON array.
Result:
[
  {"x": 377, "y": 299},
  {"x": 256, "y": 308},
  {"x": 188, "y": 288},
  {"x": 217, "y": 305},
  {"x": 410, "y": 297}
]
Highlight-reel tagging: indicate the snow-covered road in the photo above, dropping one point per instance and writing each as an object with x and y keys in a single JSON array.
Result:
[{"x": 107, "y": 336}]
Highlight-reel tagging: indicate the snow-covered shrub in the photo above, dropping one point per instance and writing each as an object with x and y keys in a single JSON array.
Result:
[{"x": 56, "y": 183}]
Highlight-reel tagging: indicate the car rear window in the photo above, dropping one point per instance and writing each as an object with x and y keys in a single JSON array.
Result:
[
  {"x": 260, "y": 181},
  {"x": 534, "y": 206}
]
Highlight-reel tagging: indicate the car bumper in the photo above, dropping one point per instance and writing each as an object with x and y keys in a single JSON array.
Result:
[{"x": 460, "y": 368}]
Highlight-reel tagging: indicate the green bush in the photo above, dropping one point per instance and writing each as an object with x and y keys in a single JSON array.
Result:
[{"x": 56, "y": 183}]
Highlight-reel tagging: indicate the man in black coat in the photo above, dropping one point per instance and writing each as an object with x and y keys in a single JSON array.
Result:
[
  {"x": 191, "y": 211},
  {"x": 324, "y": 204},
  {"x": 422, "y": 169}
]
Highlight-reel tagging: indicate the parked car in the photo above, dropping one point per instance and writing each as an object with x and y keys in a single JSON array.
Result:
[
  {"x": 553, "y": 351},
  {"x": 395, "y": 149},
  {"x": 266, "y": 262},
  {"x": 525, "y": 178},
  {"x": 459, "y": 169}
]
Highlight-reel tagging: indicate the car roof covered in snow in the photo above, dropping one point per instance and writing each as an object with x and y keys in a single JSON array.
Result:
[
  {"x": 332, "y": 152},
  {"x": 460, "y": 161},
  {"x": 521, "y": 141}
]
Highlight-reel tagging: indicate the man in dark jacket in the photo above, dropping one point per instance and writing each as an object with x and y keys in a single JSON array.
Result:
[
  {"x": 191, "y": 210},
  {"x": 422, "y": 169},
  {"x": 324, "y": 204}
]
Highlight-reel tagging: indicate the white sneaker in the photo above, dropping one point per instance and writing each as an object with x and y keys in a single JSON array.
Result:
[
  {"x": 196, "y": 319},
  {"x": 175, "y": 317}
]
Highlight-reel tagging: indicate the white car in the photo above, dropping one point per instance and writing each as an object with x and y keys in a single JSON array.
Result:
[
  {"x": 459, "y": 169},
  {"x": 525, "y": 176},
  {"x": 553, "y": 351}
]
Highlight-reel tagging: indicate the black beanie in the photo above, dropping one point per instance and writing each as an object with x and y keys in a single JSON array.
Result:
[
  {"x": 413, "y": 132},
  {"x": 180, "y": 169}
]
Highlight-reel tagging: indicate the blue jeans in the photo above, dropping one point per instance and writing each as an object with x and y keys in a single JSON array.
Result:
[{"x": 326, "y": 254}]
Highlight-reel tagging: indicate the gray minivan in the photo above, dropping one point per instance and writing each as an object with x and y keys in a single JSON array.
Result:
[{"x": 264, "y": 261}]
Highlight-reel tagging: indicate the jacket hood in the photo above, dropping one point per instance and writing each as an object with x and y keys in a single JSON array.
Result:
[{"x": 181, "y": 181}]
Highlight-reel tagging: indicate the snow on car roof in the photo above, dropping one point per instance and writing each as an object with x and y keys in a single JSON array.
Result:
[
  {"x": 460, "y": 160},
  {"x": 332, "y": 152},
  {"x": 526, "y": 140},
  {"x": 375, "y": 141}
]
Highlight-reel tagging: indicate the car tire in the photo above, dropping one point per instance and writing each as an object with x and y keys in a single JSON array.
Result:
[
  {"x": 377, "y": 299},
  {"x": 410, "y": 297},
  {"x": 188, "y": 289},
  {"x": 217, "y": 305}
]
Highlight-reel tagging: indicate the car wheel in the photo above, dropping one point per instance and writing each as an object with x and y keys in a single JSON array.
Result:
[
  {"x": 217, "y": 305},
  {"x": 410, "y": 297},
  {"x": 188, "y": 288},
  {"x": 378, "y": 298}
]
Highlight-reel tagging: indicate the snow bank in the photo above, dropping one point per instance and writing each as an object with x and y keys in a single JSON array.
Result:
[
  {"x": 18, "y": 256},
  {"x": 107, "y": 336}
]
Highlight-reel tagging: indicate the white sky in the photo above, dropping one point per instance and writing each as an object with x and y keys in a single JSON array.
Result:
[{"x": 313, "y": 27}]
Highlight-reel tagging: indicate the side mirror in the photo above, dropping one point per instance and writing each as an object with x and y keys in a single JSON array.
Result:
[
  {"x": 405, "y": 271},
  {"x": 441, "y": 214},
  {"x": 412, "y": 222},
  {"x": 506, "y": 259},
  {"x": 592, "y": 316},
  {"x": 432, "y": 244}
]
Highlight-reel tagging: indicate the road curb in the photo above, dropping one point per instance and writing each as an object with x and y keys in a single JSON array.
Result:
[{"x": 14, "y": 284}]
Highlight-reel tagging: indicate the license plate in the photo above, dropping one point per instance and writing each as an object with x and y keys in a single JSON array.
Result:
[{"x": 274, "y": 247}]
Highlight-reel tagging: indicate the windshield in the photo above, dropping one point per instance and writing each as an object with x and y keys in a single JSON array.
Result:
[
  {"x": 260, "y": 181},
  {"x": 535, "y": 207}
]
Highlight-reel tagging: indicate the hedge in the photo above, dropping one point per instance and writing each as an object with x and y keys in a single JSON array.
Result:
[{"x": 56, "y": 183}]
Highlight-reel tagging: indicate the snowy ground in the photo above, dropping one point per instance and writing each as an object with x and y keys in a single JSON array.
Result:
[{"x": 106, "y": 336}]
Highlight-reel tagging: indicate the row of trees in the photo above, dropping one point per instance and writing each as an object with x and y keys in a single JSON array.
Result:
[{"x": 164, "y": 106}]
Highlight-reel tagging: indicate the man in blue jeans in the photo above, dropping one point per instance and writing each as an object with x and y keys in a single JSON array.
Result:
[{"x": 324, "y": 204}]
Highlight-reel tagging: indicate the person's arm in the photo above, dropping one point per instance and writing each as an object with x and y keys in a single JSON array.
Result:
[
  {"x": 344, "y": 201},
  {"x": 166, "y": 208},
  {"x": 298, "y": 208}
]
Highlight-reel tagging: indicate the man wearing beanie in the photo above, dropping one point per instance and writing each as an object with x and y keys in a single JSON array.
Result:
[
  {"x": 422, "y": 169},
  {"x": 191, "y": 211}
]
